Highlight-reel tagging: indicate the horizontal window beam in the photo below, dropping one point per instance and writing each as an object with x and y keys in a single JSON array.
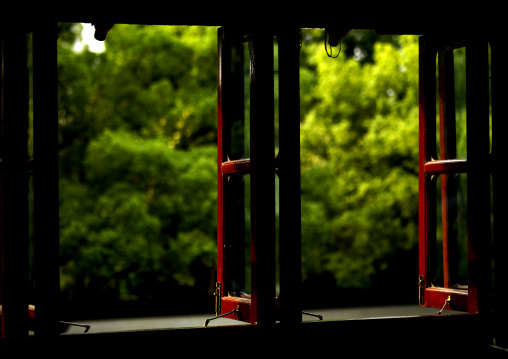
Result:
[
  {"x": 236, "y": 167},
  {"x": 436, "y": 297},
  {"x": 241, "y": 166},
  {"x": 446, "y": 166}
]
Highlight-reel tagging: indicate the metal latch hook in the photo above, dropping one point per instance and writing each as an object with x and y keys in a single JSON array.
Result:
[{"x": 447, "y": 302}]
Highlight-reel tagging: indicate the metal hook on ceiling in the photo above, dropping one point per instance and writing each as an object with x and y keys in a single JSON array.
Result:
[
  {"x": 101, "y": 30},
  {"x": 334, "y": 39}
]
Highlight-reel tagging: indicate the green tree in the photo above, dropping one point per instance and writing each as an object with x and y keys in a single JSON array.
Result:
[
  {"x": 145, "y": 210},
  {"x": 359, "y": 139},
  {"x": 137, "y": 160},
  {"x": 153, "y": 80}
]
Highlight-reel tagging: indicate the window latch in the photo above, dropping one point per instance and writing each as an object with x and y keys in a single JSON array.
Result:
[
  {"x": 447, "y": 302},
  {"x": 86, "y": 326},
  {"x": 421, "y": 289},
  {"x": 234, "y": 311},
  {"x": 217, "y": 295}
]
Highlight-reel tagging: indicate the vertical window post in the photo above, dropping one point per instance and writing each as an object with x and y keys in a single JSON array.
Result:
[
  {"x": 230, "y": 189},
  {"x": 289, "y": 176},
  {"x": 478, "y": 182},
  {"x": 262, "y": 177},
  {"x": 46, "y": 203},
  {"x": 14, "y": 186},
  {"x": 499, "y": 76},
  {"x": 427, "y": 146}
]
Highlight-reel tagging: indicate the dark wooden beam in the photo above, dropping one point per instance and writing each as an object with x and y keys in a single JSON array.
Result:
[
  {"x": 478, "y": 176},
  {"x": 262, "y": 176},
  {"x": 289, "y": 176},
  {"x": 14, "y": 214},
  {"x": 46, "y": 203}
]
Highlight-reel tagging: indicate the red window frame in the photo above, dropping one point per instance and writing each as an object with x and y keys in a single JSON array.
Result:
[
  {"x": 262, "y": 305},
  {"x": 478, "y": 294}
]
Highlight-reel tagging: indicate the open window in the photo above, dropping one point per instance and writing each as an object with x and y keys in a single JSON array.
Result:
[
  {"x": 246, "y": 282},
  {"x": 455, "y": 175}
]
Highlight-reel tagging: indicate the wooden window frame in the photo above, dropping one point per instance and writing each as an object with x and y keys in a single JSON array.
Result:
[
  {"x": 263, "y": 306},
  {"x": 478, "y": 295},
  {"x": 12, "y": 199}
]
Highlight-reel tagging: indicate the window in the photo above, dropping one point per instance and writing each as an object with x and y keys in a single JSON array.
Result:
[
  {"x": 259, "y": 172},
  {"x": 455, "y": 248},
  {"x": 441, "y": 175}
]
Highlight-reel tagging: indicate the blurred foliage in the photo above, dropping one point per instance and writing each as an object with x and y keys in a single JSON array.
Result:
[
  {"x": 138, "y": 160},
  {"x": 359, "y": 143}
]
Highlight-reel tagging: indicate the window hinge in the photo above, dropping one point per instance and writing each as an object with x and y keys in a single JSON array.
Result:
[
  {"x": 217, "y": 295},
  {"x": 421, "y": 289}
]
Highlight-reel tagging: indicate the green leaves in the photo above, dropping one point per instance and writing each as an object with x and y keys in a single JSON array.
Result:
[
  {"x": 138, "y": 162},
  {"x": 149, "y": 203},
  {"x": 360, "y": 162}
]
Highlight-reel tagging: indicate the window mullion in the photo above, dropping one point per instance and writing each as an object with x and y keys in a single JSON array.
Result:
[
  {"x": 478, "y": 186},
  {"x": 262, "y": 176},
  {"x": 14, "y": 186},
  {"x": 46, "y": 188}
]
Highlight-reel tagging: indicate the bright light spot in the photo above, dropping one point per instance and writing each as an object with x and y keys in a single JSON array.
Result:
[
  {"x": 359, "y": 54},
  {"x": 87, "y": 38}
]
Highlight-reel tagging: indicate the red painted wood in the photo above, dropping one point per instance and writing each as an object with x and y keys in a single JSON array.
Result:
[
  {"x": 429, "y": 165},
  {"x": 230, "y": 207},
  {"x": 448, "y": 152},
  {"x": 436, "y": 297},
  {"x": 236, "y": 167},
  {"x": 220, "y": 155},
  {"x": 243, "y": 305},
  {"x": 426, "y": 142},
  {"x": 477, "y": 166},
  {"x": 445, "y": 166}
]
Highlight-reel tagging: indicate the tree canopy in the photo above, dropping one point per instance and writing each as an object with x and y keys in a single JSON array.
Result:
[
  {"x": 359, "y": 140},
  {"x": 138, "y": 163}
]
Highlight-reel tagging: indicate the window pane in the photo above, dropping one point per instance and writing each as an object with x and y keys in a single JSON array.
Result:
[
  {"x": 276, "y": 94},
  {"x": 236, "y": 109},
  {"x": 30, "y": 98},
  {"x": 277, "y": 235},
  {"x": 239, "y": 108},
  {"x": 246, "y": 181},
  {"x": 459, "y": 65},
  {"x": 451, "y": 104},
  {"x": 451, "y": 232}
]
